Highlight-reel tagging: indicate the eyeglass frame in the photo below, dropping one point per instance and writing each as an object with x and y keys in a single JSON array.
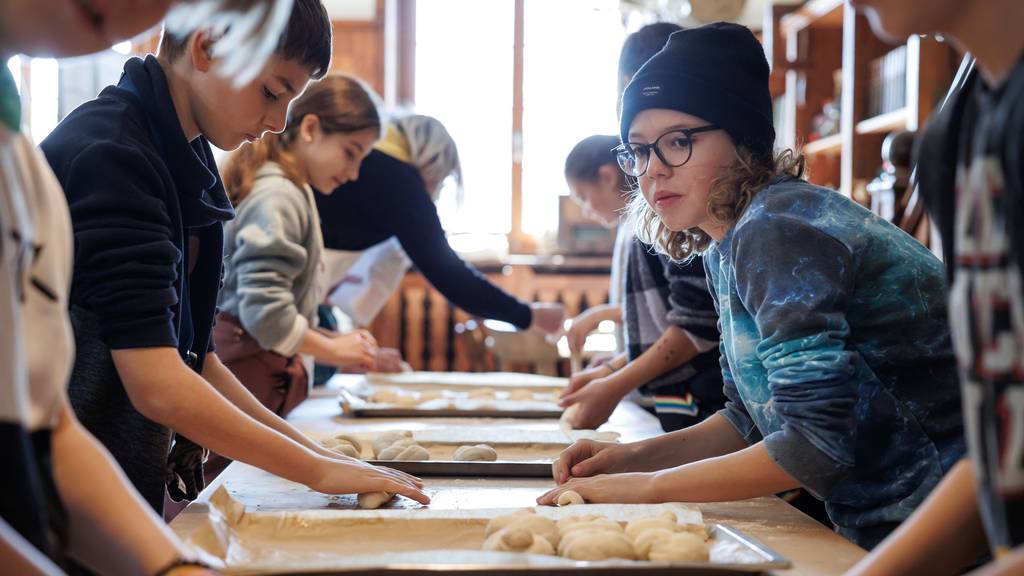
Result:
[{"x": 688, "y": 132}]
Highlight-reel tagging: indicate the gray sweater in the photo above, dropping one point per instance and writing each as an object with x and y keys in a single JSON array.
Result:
[{"x": 273, "y": 253}]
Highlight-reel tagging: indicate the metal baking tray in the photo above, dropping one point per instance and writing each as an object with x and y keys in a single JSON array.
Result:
[
  {"x": 353, "y": 405},
  {"x": 761, "y": 559},
  {"x": 502, "y": 469}
]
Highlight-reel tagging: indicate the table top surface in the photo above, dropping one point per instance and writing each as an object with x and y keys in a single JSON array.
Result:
[{"x": 812, "y": 548}]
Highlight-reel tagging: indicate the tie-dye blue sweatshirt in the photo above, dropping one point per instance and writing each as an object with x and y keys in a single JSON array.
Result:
[{"x": 836, "y": 353}]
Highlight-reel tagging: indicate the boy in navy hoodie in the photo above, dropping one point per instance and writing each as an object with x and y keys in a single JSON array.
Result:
[{"x": 148, "y": 207}]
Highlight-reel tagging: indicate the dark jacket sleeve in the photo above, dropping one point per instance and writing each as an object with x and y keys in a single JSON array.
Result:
[
  {"x": 796, "y": 282},
  {"x": 690, "y": 304},
  {"x": 126, "y": 258},
  {"x": 415, "y": 222}
]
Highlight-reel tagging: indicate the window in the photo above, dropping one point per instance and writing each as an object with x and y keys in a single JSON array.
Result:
[
  {"x": 464, "y": 76},
  {"x": 570, "y": 63},
  {"x": 464, "y": 51},
  {"x": 53, "y": 88}
]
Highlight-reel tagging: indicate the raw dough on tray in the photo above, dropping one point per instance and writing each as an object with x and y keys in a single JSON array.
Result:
[
  {"x": 477, "y": 453},
  {"x": 518, "y": 540}
]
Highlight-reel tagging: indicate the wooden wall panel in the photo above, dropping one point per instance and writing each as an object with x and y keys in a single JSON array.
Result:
[{"x": 359, "y": 51}]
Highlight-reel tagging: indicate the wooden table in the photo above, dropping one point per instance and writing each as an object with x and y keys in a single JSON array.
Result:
[{"x": 812, "y": 548}]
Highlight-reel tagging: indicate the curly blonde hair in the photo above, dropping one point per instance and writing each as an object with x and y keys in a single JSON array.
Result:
[{"x": 731, "y": 193}]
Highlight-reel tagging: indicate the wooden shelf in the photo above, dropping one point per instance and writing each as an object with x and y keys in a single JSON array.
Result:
[
  {"x": 883, "y": 123},
  {"x": 829, "y": 145},
  {"x": 814, "y": 14}
]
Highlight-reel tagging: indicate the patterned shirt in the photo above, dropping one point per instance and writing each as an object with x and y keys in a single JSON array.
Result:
[{"x": 835, "y": 352}]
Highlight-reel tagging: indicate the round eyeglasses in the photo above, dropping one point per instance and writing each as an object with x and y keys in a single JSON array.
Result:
[{"x": 634, "y": 157}]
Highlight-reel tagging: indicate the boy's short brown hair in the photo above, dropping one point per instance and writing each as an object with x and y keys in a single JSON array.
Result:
[{"x": 306, "y": 39}]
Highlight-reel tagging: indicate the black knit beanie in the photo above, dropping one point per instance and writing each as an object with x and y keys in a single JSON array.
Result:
[{"x": 717, "y": 72}]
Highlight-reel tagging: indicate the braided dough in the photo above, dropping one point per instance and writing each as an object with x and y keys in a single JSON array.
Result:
[
  {"x": 398, "y": 451},
  {"x": 477, "y": 453},
  {"x": 343, "y": 444}
]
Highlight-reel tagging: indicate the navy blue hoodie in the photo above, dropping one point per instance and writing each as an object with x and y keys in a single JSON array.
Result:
[{"x": 146, "y": 205}]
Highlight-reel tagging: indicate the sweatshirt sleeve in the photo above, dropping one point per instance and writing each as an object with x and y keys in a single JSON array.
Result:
[
  {"x": 796, "y": 282},
  {"x": 266, "y": 258},
  {"x": 690, "y": 304},
  {"x": 416, "y": 224},
  {"x": 126, "y": 259}
]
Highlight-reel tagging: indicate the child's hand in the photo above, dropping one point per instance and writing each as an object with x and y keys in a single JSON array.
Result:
[
  {"x": 389, "y": 360},
  {"x": 582, "y": 325},
  {"x": 590, "y": 457},
  {"x": 337, "y": 476},
  {"x": 581, "y": 379},
  {"x": 597, "y": 402},
  {"x": 355, "y": 349},
  {"x": 632, "y": 488}
]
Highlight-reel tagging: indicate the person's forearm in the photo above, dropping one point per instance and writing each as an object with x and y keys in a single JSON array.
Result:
[
  {"x": 166, "y": 391},
  {"x": 748, "y": 473},
  {"x": 673, "y": 349},
  {"x": 18, "y": 556},
  {"x": 942, "y": 536},
  {"x": 112, "y": 530},
  {"x": 218, "y": 375},
  {"x": 319, "y": 346},
  {"x": 603, "y": 312},
  {"x": 713, "y": 437}
]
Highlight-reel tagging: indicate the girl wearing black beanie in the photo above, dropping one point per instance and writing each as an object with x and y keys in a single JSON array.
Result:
[{"x": 835, "y": 350}]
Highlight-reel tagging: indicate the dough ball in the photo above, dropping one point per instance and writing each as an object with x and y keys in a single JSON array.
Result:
[
  {"x": 481, "y": 393},
  {"x": 521, "y": 394},
  {"x": 343, "y": 444},
  {"x": 428, "y": 395},
  {"x": 406, "y": 400},
  {"x": 538, "y": 526},
  {"x": 371, "y": 500},
  {"x": 596, "y": 545},
  {"x": 679, "y": 547},
  {"x": 346, "y": 449},
  {"x": 697, "y": 529},
  {"x": 499, "y": 522},
  {"x": 600, "y": 523},
  {"x": 386, "y": 439},
  {"x": 667, "y": 521},
  {"x": 569, "y": 497},
  {"x": 478, "y": 453},
  {"x": 399, "y": 451},
  {"x": 564, "y": 523},
  {"x": 385, "y": 395},
  {"x": 343, "y": 439},
  {"x": 518, "y": 540},
  {"x": 644, "y": 540}
]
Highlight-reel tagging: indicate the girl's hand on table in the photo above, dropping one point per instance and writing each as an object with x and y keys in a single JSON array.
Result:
[
  {"x": 582, "y": 378},
  {"x": 350, "y": 476},
  {"x": 629, "y": 488},
  {"x": 591, "y": 457},
  {"x": 597, "y": 402}
]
